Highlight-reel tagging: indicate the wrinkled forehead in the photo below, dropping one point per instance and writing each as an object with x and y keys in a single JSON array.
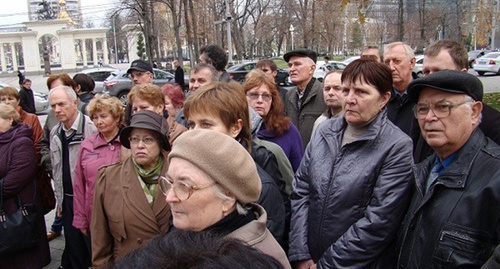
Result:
[
  {"x": 301, "y": 59},
  {"x": 432, "y": 95}
]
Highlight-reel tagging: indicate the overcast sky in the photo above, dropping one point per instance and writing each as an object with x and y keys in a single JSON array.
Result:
[{"x": 16, "y": 11}]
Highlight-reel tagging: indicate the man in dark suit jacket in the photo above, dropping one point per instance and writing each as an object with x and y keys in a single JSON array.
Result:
[
  {"x": 179, "y": 75},
  {"x": 27, "y": 100}
]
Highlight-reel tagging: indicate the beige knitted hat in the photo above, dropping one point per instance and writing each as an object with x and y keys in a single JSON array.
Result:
[{"x": 223, "y": 159}]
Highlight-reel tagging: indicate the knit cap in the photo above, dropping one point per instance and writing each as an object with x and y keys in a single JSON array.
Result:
[{"x": 223, "y": 159}]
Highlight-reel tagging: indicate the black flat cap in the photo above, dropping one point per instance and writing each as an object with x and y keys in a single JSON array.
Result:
[
  {"x": 148, "y": 120},
  {"x": 301, "y": 52},
  {"x": 448, "y": 81},
  {"x": 140, "y": 65}
]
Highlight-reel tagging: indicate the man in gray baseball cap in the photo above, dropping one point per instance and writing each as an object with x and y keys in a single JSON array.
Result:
[{"x": 455, "y": 204}]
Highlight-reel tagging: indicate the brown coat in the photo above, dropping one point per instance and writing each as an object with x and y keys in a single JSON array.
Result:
[
  {"x": 122, "y": 219},
  {"x": 175, "y": 129},
  {"x": 256, "y": 235}
]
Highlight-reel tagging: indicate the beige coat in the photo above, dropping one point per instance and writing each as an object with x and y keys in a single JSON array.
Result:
[
  {"x": 256, "y": 235},
  {"x": 122, "y": 219}
]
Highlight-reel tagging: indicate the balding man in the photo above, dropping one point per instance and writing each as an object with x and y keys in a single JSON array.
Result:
[
  {"x": 305, "y": 103},
  {"x": 401, "y": 59},
  {"x": 65, "y": 140},
  {"x": 453, "y": 218}
]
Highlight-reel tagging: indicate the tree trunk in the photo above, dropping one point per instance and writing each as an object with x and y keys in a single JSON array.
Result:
[
  {"x": 400, "y": 20},
  {"x": 188, "y": 32},
  {"x": 195, "y": 34}
]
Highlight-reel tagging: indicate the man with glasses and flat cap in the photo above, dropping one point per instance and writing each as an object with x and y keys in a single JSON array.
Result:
[{"x": 453, "y": 218}]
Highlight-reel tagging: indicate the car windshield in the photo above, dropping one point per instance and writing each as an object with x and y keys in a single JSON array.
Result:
[
  {"x": 473, "y": 53},
  {"x": 492, "y": 55}
]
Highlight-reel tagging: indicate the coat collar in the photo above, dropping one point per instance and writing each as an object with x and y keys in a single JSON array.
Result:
[
  {"x": 135, "y": 199},
  {"x": 255, "y": 231},
  {"x": 455, "y": 175},
  {"x": 338, "y": 126}
]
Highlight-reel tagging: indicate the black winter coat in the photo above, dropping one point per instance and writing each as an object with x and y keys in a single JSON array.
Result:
[{"x": 456, "y": 224}]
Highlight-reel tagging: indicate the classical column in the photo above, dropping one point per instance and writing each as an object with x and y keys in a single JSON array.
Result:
[
  {"x": 105, "y": 50},
  {"x": 14, "y": 58},
  {"x": 2, "y": 55},
  {"x": 94, "y": 52},
  {"x": 84, "y": 52}
]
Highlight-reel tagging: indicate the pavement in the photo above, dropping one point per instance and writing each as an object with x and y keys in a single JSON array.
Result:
[{"x": 56, "y": 245}]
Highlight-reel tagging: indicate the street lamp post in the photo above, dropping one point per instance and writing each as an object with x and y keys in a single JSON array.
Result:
[
  {"x": 114, "y": 40},
  {"x": 291, "y": 33}
]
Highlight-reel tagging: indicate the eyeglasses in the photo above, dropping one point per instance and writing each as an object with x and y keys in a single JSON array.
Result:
[
  {"x": 441, "y": 110},
  {"x": 265, "y": 96},
  {"x": 146, "y": 140},
  {"x": 182, "y": 190}
]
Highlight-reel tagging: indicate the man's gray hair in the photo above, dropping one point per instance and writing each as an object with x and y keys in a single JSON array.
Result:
[
  {"x": 68, "y": 90},
  {"x": 409, "y": 51},
  {"x": 197, "y": 68}
]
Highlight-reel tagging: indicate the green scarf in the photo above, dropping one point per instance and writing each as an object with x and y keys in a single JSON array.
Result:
[{"x": 149, "y": 179}]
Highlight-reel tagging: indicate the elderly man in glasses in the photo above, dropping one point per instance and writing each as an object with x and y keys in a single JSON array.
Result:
[{"x": 453, "y": 218}]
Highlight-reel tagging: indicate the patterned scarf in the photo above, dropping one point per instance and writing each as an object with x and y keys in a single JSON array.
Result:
[{"x": 149, "y": 179}]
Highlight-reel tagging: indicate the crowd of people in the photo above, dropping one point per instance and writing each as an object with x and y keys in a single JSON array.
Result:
[{"x": 370, "y": 168}]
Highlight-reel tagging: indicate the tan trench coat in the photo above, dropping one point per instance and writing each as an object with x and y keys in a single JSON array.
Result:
[
  {"x": 122, "y": 219},
  {"x": 256, "y": 235}
]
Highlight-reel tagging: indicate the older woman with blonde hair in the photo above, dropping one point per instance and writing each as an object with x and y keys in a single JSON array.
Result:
[
  {"x": 213, "y": 187},
  {"x": 17, "y": 173},
  {"x": 96, "y": 150},
  {"x": 263, "y": 96}
]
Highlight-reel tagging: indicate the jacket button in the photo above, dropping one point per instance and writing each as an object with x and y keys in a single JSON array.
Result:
[{"x": 139, "y": 241}]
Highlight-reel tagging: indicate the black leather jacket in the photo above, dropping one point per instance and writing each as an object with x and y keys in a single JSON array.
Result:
[{"x": 456, "y": 223}]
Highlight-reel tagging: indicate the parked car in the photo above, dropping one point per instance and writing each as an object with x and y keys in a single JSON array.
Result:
[
  {"x": 41, "y": 99},
  {"x": 350, "y": 59},
  {"x": 488, "y": 63},
  {"x": 419, "y": 66},
  {"x": 238, "y": 72},
  {"x": 99, "y": 75},
  {"x": 322, "y": 68},
  {"x": 474, "y": 54},
  {"x": 118, "y": 83}
]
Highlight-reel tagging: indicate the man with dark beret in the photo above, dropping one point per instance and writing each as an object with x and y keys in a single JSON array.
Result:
[{"x": 454, "y": 219}]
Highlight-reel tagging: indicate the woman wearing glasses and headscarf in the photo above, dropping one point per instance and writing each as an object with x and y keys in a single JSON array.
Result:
[
  {"x": 128, "y": 208},
  {"x": 212, "y": 187}
]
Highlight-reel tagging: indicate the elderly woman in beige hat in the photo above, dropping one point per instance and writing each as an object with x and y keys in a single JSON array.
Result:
[
  {"x": 129, "y": 210},
  {"x": 213, "y": 187}
]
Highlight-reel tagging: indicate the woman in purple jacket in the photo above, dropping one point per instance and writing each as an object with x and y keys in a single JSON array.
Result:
[
  {"x": 263, "y": 97},
  {"x": 96, "y": 150},
  {"x": 17, "y": 171}
]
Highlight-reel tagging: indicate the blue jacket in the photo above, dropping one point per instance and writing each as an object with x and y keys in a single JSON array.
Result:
[{"x": 348, "y": 202}]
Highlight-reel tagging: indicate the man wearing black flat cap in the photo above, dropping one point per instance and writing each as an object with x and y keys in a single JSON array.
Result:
[
  {"x": 453, "y": 218},
  {"x": 305, "y": 103}
]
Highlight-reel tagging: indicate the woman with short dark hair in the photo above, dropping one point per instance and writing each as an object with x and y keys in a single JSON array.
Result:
[{"x": 353, "y": 187}]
